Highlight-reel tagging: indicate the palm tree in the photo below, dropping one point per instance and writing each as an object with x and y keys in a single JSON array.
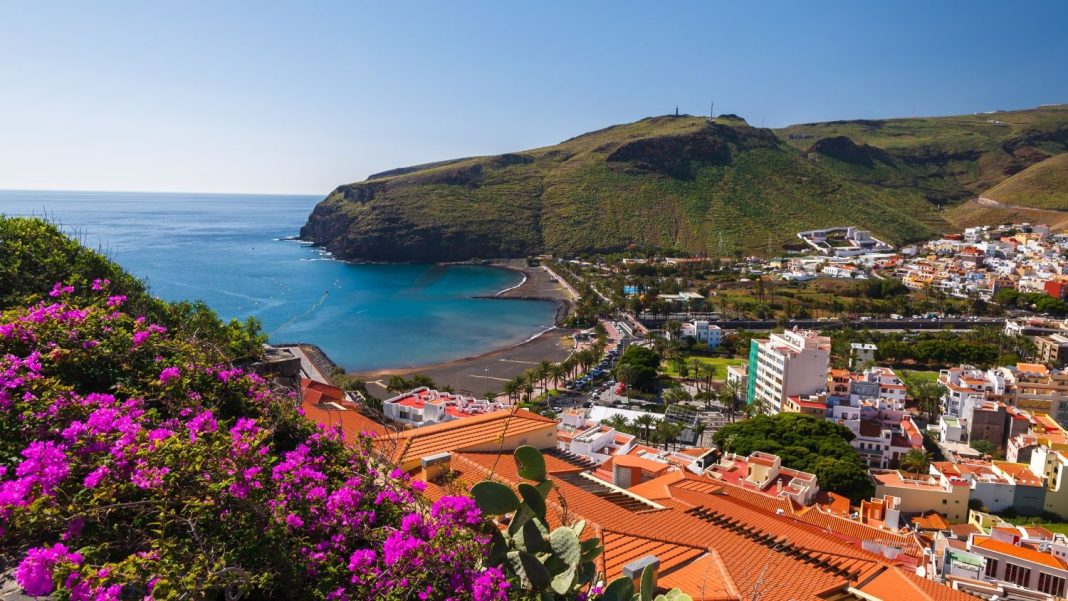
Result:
[
  {"x": 728, "y": 398},
  {"x": 644, "y": 422},
  {"x": 557, "y": 373},
  {"x": 545, "y": 369},
  {"x": 617, "y": 422},
  {"x": 916, "y": 461},
  {"x": 928, "y": 397},
  {"x": 511, "y": 388}
]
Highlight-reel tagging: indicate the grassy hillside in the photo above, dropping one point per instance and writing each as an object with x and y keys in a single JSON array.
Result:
[
  {"x": 687, "y": 183},
  {"x": 1043, "y": 185}
]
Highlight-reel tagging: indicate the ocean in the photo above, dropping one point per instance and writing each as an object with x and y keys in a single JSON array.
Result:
[{"x": 229, "y": 251}]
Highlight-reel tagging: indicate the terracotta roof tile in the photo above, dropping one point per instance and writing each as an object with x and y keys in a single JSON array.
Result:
[{"x": 459, "y": 434}]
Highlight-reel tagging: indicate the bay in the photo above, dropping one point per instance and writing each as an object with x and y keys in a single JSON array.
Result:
[{"x": 229, "y": 251}]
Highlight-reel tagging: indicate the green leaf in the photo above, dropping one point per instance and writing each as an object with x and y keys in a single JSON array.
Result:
[
  {"x": 591, "y": 548},
  {"x": 530, "y": 569},
  {"x": 494, "y": 498},
  {"x": 566, "y": 545},
  {"x": 498, "y": 548},
  {"x": 532, "y": 538},
  {"x": 530, "y": 462},
  {"x": 562, "y": 582},
  {"x": 648, "y": 583},
  {"x": 578, "y": 527},
  {"x": 519, "y": 519},
  {"x": 674, "y": 595},
  {"x": 533, "y": 499},
  {"x": 544, "y": 487},
  {"x": 620, "y": 589}
]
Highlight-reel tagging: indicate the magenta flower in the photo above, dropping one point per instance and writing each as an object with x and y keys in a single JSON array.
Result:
[
  {"x": 100, "y": 284},
  {"x": 34, "y": 573},
  {"x": 169, "y": 374},
  {"x": 361, "y": 559},
  {"x": 45, "y": 463}
]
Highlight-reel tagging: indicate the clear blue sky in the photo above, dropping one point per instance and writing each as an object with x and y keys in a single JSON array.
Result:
[{"x": 303, "y": 96}]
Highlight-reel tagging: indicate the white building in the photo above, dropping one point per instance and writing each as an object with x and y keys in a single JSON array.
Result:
[
  {"x": 702, "y": 331},
  {"x": 793, "y": 363},
  {"x": 423, "y": 406}
]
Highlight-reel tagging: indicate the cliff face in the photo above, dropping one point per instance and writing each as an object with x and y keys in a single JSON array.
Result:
[{"x": 685, "y": 183}]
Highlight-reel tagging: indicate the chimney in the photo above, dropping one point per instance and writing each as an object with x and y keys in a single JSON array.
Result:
[
  {"x": 435, "y": 466},
  {"x": 634, "y": 569}
]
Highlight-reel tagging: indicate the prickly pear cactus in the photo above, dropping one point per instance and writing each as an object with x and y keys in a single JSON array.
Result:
[{"x": 556, "y": 565}]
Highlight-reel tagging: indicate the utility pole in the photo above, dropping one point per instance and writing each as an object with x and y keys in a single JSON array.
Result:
[
  {"x": 676, "y": 110},
  {"x": 712, "y": 111}
]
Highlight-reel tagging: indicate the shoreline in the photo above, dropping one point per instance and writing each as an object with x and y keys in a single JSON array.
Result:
[
  {"x": 550, "y": 332},
  {"x": 483, "y": 373},
  {"x": 474, "y": 372}
]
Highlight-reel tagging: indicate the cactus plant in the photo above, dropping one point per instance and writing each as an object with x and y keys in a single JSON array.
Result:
[{"x": 551, "y": 566}]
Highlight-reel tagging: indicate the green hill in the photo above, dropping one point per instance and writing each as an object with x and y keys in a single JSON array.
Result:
[
  {"x": 1043, "y": 185},
  {"x": 687, "y": 183}
]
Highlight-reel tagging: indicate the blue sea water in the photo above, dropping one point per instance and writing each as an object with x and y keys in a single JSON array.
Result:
[{"x": 228, "y": 250}]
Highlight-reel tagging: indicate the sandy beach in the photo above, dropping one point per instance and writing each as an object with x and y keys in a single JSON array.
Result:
[{"x": 489, "y": 371}]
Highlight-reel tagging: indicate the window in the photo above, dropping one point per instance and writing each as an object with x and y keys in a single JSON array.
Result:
[
  {"x": 1017, "y": 574},
  {"x": 1050, "y": 584},
  {"x": 991, "y": 568}
]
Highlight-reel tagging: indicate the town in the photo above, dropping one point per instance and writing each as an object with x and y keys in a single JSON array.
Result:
[{"x": 932, "y": 439}]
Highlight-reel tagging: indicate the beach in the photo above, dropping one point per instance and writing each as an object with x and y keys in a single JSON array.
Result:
[{"x": 487, "y": 372}]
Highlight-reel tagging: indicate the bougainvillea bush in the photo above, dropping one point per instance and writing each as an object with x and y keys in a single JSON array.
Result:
[{"x": 137, "y": 463}]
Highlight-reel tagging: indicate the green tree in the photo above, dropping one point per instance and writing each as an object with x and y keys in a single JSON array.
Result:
[
  {"x": 805, "y": 443},
  {"x": 916, "y": 461},
  {"x": 985, "y": 447}
]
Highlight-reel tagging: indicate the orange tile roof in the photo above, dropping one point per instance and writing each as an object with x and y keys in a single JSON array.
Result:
[
  {"x": 657, "y": 488},
  {"x": 352, "y": 422},
  {"x": 792, "y": 558},
  {"x": 1021, "y": 552},
  {"x": 931, "y": 521},
  {"x": 621, "y": 549},
  {"x": 705, "y": 579},
  {"x": 640, "y": 462},
  {"x": 459, "y": 434}
]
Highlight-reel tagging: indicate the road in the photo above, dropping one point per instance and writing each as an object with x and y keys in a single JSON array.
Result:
[{"x": 871, "y": 324}]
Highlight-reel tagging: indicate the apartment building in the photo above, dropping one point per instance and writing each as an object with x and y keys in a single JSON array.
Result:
[
  {"x": 794, "y": 363},
  {"x": 942, "y": 490},
  {"x": 1052, "y": 350},
  {"x": 1010, "y": 558}
]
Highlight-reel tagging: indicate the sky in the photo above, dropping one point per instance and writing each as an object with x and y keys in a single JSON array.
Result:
[{"x": 300, "y": 97}]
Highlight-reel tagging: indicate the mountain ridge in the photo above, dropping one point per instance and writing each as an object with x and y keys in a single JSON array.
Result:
[{"x": 689, "y": 184}]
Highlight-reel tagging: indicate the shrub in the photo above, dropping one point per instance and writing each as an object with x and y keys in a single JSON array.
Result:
[{"x": 134, "y": 462}]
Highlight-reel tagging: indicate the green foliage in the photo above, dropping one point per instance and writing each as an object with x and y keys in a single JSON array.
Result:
[
  {"x": 637, "y": 367},
  {"x": 985, "y": 447},
  {"x": 804, "y": 443}
]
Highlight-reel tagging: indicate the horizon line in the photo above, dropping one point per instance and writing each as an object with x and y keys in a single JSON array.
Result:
[{"x": 188, "y": 192}]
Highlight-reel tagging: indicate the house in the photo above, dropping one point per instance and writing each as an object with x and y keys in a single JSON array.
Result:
[
  {"x": 702, "y": 332},
  {"x": 941, "y": 490},
  {"x": 424, "y": 406},
  {"x": 329, "y": 407},
  {"x": 503, "y": 430},
  {"x": 814, "y": 405}
]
